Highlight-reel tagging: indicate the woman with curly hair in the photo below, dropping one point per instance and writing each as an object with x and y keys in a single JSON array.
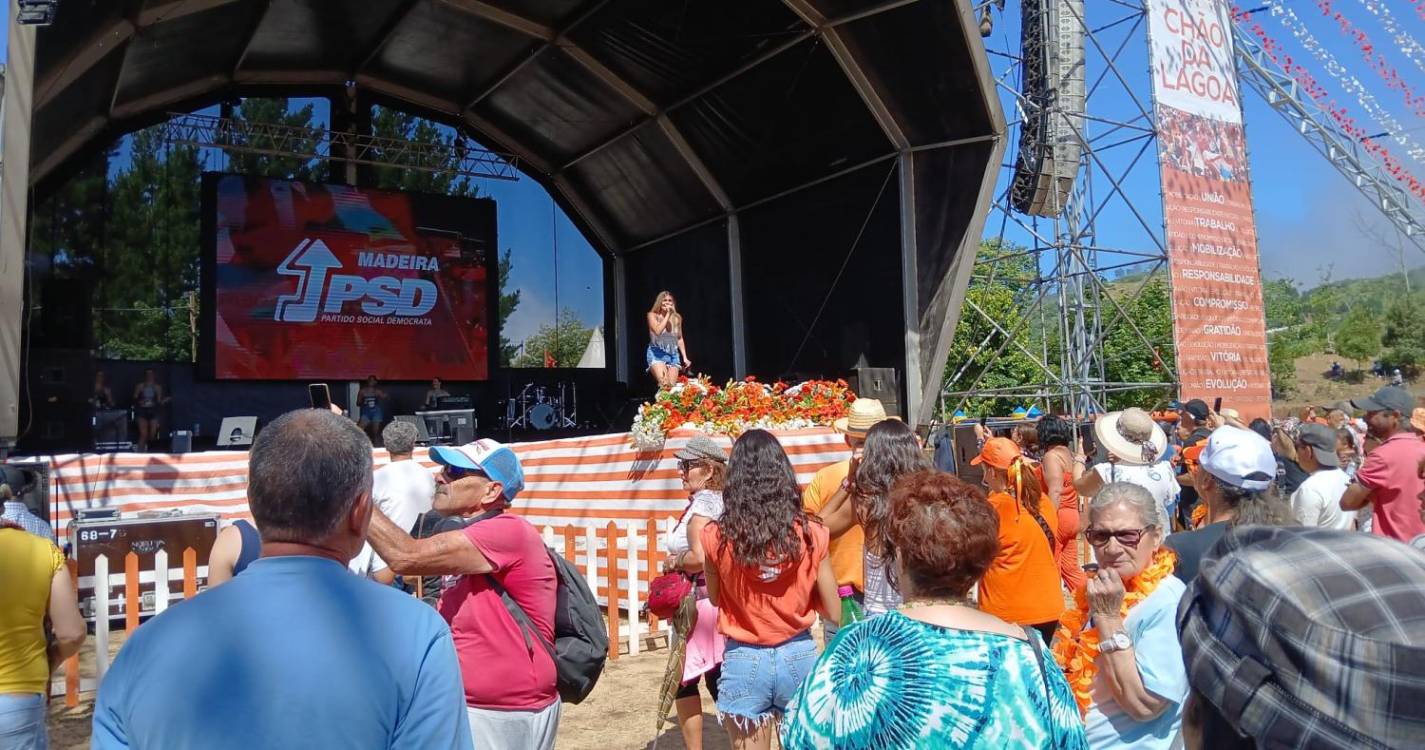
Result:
[
  {"x": 891, "y": 452},
  {"x": 768, "y": 574}
]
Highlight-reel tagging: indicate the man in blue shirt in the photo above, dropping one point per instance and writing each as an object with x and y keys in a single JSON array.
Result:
[{"x": 296, "y": 651}]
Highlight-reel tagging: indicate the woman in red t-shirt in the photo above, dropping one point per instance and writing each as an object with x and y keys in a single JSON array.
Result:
[{"x": 767, "y": 569}]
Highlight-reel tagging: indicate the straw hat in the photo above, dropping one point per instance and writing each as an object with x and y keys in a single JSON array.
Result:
[
  {"x": 865, "y": 413},
  {"x": 1131, "y": 436},
  {"x": 1417, "y": 419}
]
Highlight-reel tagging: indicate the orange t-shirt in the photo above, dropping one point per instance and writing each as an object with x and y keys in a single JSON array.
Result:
[
  {"x": 765, "y": 605},
  {"x": 848, "y": 549},
  {"x": 1022, "y": 584}
]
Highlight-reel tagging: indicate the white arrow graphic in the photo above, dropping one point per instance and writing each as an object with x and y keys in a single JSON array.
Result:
[{"x": 309, "y": 262}]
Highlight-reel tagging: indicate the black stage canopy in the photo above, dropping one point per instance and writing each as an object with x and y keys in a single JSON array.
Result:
[{"x": 809, "y": 177}]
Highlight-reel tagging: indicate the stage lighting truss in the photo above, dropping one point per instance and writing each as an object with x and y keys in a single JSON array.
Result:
[
  {"x": 36, "y": 12},
  {"x": 1104, "y": 138},
  {"x": 460, "y": 158}
]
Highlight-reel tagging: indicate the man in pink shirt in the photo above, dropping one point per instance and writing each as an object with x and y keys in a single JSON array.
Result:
[
  {"x": 510, "y": 681},
  {"x": 1389, "y": 478}
]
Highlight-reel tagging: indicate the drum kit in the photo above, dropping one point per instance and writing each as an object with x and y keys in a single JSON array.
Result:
[{"x": 539, "y": 407}]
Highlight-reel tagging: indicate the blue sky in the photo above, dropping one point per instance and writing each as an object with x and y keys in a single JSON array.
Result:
[{"x": 1310, "y": 220}]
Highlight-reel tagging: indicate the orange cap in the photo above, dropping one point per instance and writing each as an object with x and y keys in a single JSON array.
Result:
[
  {"x": 1192, "y": 454},
  {"x": 998, "y": 452}
]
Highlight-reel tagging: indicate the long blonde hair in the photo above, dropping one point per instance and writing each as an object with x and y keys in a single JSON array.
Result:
[{"x": 676, "y": 318}]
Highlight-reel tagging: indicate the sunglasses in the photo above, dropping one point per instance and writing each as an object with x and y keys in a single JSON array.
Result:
[
  {"x": 454, "y": 473},
  {"x": 1128, "y": 538},
  {"x": 686, "y": 465}
]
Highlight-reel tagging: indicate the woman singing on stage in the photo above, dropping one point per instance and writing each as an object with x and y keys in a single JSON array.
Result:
[{"x": 667, "y": 354}]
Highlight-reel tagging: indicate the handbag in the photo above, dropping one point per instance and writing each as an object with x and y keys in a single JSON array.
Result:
[{"x": 665, "y": 594}]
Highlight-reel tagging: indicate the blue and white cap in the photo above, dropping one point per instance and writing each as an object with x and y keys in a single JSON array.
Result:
[{"x": 494, "y": 460}]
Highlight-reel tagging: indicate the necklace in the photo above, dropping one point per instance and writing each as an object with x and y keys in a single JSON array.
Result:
[{"x": 949, "y": 601}]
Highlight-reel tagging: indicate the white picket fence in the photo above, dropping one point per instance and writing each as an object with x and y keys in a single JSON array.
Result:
[{"x": 633, "y": 562}]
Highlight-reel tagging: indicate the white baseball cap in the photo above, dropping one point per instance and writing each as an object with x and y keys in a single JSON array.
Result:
[{"x": 1239, "y": 457}]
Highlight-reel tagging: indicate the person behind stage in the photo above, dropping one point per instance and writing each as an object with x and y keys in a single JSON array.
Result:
[
  {"x": 102, "y": 397},
  {"x": 370, "y": 397},
  {"x": 667, "y": 353},
  {"x": 148, "y": 396},
  {"x": 436, "y": 393}
]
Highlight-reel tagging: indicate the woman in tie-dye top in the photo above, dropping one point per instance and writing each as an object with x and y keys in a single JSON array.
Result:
[{"x": 937, "y": 672}]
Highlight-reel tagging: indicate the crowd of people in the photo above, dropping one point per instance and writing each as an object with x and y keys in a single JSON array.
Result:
[{"x": 1134, "y": 585}]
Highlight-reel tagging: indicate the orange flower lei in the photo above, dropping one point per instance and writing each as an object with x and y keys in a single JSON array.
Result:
[
  {"x": 1199, "y": 514},
  {"x": 1076, "y": 647}
]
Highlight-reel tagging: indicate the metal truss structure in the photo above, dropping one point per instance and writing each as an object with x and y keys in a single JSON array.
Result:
[
  {"x": 1363, "y": 169},
  {"x": 460, "y": 158},
  {"x": 1069, "y": 300},
  {"x": 1069, "y": 294}
]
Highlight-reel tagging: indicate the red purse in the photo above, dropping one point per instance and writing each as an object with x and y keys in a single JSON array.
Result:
[{"x": 665, "y": 594}]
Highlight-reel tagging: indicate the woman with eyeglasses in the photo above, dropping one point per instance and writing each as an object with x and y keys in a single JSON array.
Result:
[
  {"x": 667, "y": 353},
  {"x": 702, "y": 464},
  {"x": 1118, "y": 646}
]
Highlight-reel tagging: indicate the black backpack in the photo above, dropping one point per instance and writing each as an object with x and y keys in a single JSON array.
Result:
[{"x": 581, "y": 641}]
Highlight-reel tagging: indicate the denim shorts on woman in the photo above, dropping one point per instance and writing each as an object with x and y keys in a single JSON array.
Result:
[
  {"x": 661, "y": 355},
  {"x": 758, "y": 682}
]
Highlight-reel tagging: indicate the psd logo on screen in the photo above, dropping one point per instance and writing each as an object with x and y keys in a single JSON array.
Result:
[{"x": 320, "y": 291}]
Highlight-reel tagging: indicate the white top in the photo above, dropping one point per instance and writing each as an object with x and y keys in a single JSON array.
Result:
[
  {"x": 366, "y": 563},
  {"x": 1317, "y": 502},
  {"x": 706, "y": 503},
  {"x": 403, "y": 490},
  {"x": 1156, "y": 478}
]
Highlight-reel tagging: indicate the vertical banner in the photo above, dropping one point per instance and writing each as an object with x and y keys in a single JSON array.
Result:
[{"x": 1219, "y": 330}]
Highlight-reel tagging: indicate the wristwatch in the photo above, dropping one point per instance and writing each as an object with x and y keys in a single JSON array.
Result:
[{"x": 1119, "y": 642}]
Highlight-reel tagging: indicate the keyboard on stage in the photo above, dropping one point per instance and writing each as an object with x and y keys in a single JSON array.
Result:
[{"x": 444, "y": 426}]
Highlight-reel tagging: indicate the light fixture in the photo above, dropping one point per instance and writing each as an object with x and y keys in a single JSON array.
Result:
[{"x": 36, "y": 12}]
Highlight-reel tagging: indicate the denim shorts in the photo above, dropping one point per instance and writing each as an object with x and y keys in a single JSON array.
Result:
[
  {"x": 22, "y": 722},
  {"x": 656, "y": 354},
  {"x": 758, "y": 682}
]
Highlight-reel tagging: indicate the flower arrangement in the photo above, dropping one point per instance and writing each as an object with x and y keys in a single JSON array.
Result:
[{"x": 738, "y": 406}]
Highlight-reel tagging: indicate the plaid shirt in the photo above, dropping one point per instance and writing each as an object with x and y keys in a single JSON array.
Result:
[
  {"x": 1310, "y": 637},
  {"x": 17, "y": 513}
]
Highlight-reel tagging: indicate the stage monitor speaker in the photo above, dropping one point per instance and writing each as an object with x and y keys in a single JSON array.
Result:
[
  {"x": 464, "y": 432},
  {"x": 182, "y": 442},
  {"x": 422, "y": 431},
  {"x": 882, "y": 384},
  {"x": 237, "y": 432}
]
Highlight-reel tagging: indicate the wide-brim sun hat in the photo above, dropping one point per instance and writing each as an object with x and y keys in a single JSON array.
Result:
[
  {"x": 864, "y": 414},
  {"x": 1131, "y": 436}
]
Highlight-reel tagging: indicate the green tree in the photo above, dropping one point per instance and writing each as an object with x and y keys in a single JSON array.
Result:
[
  {"x": 509, "y": 300},
  {"x": 1358, "y": 337},
  {"x": 1404, "y": 334},
  {"x": 565, "y": 340},
  {"x": 278, "y": 111},
  {"x": 447, "y": 153},
  {"x": 996, "y": 304},
  {"x": 149, "y": 265},
  {"x": 1129, "y": 357}
]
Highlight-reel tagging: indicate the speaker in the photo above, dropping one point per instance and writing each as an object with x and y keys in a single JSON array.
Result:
[
  {"x": 464, "y": 433},
  {"x": 182, "y": 442},
  {"x": 882, "y": 384}
]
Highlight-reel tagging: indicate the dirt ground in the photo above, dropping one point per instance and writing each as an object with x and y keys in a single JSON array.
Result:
[{"x": 618, "y": 715}]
